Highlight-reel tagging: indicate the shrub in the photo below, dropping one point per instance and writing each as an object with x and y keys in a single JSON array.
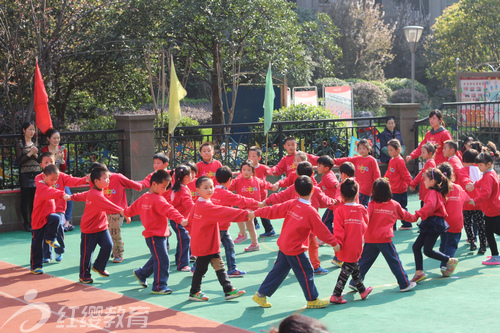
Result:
[
  {"x": 368, "y": 97},
  {"x": 101, "y": 123},
  {"x": 185, "y": 121},
  {"x": 404, "y": 96},
  {"x": 442, "y": 96},
  {"x": 382, "y": 86},
  {"x": 301, "y": 112},
  {"x": 403, "y": 83}
]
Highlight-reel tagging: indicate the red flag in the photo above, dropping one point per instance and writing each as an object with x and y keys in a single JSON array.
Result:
[{"x": 41, "y": 106}]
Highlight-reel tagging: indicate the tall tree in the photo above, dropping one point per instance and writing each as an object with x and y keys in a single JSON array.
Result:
[
  {"x": 365, "y": 39},
  {"x": 468, "y": 30}
]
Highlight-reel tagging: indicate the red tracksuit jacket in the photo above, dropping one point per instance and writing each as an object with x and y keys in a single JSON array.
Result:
[
  {"x": 367, "y": 171},
  {"x": 349, "y": 226}
]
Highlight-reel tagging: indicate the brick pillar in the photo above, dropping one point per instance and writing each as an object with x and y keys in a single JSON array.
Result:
[{"x": 139, "y": 146}]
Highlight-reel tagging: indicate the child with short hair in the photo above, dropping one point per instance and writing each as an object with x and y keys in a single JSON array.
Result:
[
  {"x": 249, "y": 186},
  {"x": 208, "y": 165},
  {"x": 328, "y": 185},
  {"x": 181, "y": 199},
  {"x": 44, "y": 221},
  {"x": 94, "y": 225},
  {"x": 427, "y": 154},
  {"x": 204, "y": 221},
  {"x": 115, "y": 192},
  {"x": 450, "y": 149},
  {"x": 382, "y": 213},
  {"x": 398, "y": 176},
  {"x": 285, "y": 165},
  {"x": 261, "y": 171},
  {"x": 489, "y": 200},
  {"x": 155, "y": 212},
  {"x": 367, "y": 170},
  {"x": 433, "y": 223},
  {"x": 318, "y": 200},
  {"x": 192, "y": 184},
  {"x": 300, "y": 220},
  {"x": 349, "y": 226},
  {"x": 223, "y": 197},
  {"x": 160, "y": 162},
  {"x": 48, "y": 158},
  {"x": 454, "y": 207},
  {"x": 473, "y": 216}
]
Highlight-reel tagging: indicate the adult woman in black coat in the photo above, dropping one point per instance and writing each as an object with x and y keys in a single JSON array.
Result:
[{"x": 389, "y": 133}]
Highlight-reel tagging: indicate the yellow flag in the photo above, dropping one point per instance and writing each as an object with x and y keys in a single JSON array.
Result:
[{"x": 177, "y": 93}]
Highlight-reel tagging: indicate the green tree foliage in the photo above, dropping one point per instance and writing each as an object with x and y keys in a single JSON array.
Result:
[
  {"x": 469, "y": 30},
  {"x": 365, "y": 39}
]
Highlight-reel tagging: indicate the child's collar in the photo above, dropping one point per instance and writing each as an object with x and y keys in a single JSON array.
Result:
[
  {"x": 489, "y": 170},
  {"x": 203, "y": 200},
  {"x": 220, "y": 186},
  {"x": 208, "y": 162},
  {"x": 304, "y": 201},
  {"x": 350, "y": 203}
]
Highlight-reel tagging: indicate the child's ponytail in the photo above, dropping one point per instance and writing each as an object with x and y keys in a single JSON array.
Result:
[
  {"x": 180, "y": 172},
  {"x": 492, "y": 150},
  {"x": 443, "y": 184}
]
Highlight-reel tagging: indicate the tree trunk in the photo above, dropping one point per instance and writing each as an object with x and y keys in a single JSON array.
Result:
[{"x": 217, "y": 111}]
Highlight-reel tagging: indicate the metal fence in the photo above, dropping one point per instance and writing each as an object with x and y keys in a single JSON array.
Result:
[
  {"x": 83, "y": 149},
  {"x": 320, "y": 137},
  {"x": 479, "y": 120}
]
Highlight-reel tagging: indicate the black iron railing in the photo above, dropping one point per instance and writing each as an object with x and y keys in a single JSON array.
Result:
[
  {"x": 83, "y": 149},
  {"x": 320, "y": 137}
]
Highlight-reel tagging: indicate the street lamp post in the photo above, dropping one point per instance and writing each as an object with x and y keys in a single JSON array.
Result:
[{"x": 413, "y": 34}]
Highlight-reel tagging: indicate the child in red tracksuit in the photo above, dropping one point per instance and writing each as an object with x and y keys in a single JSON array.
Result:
[
  {"x": 489, "y": 200},
  {"x": 249, "y": 186},
  {"x": 160, "y": 162},
  {"x": 472, "y": 213},
  {"x": 367, "y": 170},
  {"x": 349, "y": 226},
  {"x": 180, "y": 197},
  {"x": 115, "y": 193},
  {"x": 64, "y": 180},
  {"x": 301, "y": 219},
  {"x": 328, "y": 185},
  {"x": 192, "y": 184},
  {"x": 398, "y": 176},
  {"x": 204, "y": 221},
  {"x": 155, "y": 212},
  {"x": 318, "y": 200},
  {"x": 299, "y": 157},
  {"x": 285, "y": 165},
  {"x": 44, "y": 221},
  {"x": 207, "y": 166},
  {"x": 94, "y": 225},
  {"x": 433, "y": 224},
  {"x": 454, "y": 206},
  {"x": 450, "y": 149},
  {"x": 223, "y": 197},
  {"x": 382, "y": 213},
  {"x": 261, "y": 171},
  {"x": 428, "y": 151}
]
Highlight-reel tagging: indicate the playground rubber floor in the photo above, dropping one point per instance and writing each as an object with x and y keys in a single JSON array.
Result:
[{"x": 55, "y": 301}]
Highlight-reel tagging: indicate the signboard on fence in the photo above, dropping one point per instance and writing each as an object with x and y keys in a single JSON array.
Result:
[
  {"x": 479, "y": 87},
  {"x": 338, "y": 99},
  {"x": 305, "y": 95}
]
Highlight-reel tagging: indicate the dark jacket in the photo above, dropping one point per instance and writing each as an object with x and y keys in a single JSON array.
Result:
[{"x": 384, "y": 137}]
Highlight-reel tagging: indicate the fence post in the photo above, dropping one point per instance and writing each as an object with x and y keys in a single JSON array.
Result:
[{"x": 138, "y": 145}]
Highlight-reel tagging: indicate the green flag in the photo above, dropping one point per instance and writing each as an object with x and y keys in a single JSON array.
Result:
[
  {"x": 268, "y": 101},
  {"x": 177, "y": 93}
]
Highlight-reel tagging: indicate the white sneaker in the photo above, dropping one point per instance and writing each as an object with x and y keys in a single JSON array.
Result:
[{"x": 410, "y": 287}]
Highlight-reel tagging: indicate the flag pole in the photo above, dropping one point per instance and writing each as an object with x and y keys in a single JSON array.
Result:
[
  {"x": 36, "y": 128},
  {"x": 267, "y": 150}
]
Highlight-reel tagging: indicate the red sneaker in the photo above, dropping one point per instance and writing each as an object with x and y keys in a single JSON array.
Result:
[
  {"x": 365, "y": 293},
  {"x": 337, "y": 299}
]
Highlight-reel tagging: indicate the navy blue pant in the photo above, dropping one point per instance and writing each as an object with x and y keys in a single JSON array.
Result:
[
  {"x": 39, "y": 236},
  {"x": 426, "y": 240},
  {"x": 69, "y": 206},
  {"x": 158, "y": 264},
  {"x": 302, "y": 268},
  {"x": 388, "y": 250},
  {"x": 47, "y": 249},
  {"x": 449, "y": 244},
  {"x": 328, "y": 219},
  {"x": 364, "y": 199},
  {"x": 183, "y": 245},
  {"x": 402, "y": 198},
  {"x": 266, "y": 223},
  {"x": 87, "y": 247},
  {"x": 228, "y": 244}
]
